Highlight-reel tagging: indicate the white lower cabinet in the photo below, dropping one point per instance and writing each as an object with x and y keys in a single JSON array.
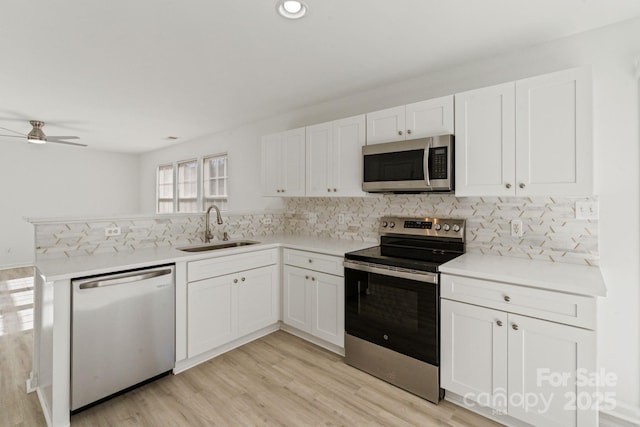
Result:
[
  {"x": 528, "y": 368},
  {"x": 221, "y": 309},
  {"x": 313, "y": 301}
]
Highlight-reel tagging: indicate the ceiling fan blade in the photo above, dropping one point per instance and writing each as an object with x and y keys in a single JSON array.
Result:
[
  {"x": 56, "y": 137},
  {"x": 15, "y": 136},
  {"x": 13, "y": 131},
  {"x": 68, "y": 143}
]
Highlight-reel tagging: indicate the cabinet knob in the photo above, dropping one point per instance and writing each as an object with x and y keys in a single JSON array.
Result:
[
  {"x": 235, "y": 280},
  {"x": 306, "y": 277},
  {"x": 310, "y": 260},
  {"x": 515, "y": 327},
  {"x": 328, "y": 189},
  {"x": 283, "y": 190},
  {"x": 409, "y": 131},
  {"x": 499, "y": 322},
  {"x": 335, "y": 189},
  {"x": 243, "y": 279},
  {"x": 507, "y": 185},
  {"x": 507, "y": 298},
  {"x": 399, "y": 132},
  {"x": 313, "y": 279},
  {"x": 522, "y": 185}
]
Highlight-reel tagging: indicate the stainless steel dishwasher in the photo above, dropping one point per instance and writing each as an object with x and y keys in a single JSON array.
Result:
[{"x": 123, "y": 332}]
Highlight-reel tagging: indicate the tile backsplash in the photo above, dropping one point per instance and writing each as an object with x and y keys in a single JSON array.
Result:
[
  {"x": 551, "y": 231},
  {"x": 67, "y": 239}
]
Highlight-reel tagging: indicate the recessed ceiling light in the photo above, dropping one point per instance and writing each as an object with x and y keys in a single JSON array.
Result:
[{"x": 291, "y": 9}]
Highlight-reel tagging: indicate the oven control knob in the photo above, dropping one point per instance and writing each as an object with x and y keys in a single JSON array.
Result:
[
  {"x": 456, "y": 228},
  {"x": 438, "y": 226},
  {"x": 385, "y": 223},
  {"x": 447, "y": 227},
  {"x": 392, "y": 224}
]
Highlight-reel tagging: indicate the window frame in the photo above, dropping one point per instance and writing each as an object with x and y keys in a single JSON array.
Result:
[
  {"x": 173, "y": 184},
  {"x": 200, "y": 199},
  {"x": 224, "y": 155}
]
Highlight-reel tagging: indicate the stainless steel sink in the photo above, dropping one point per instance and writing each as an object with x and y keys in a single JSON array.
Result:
[{"x": 216, "y": 246}]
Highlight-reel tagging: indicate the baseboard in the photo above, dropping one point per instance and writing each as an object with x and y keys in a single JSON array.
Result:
[
  {"x": 623, "y": 415},
  {"x": 32, "y": 383},
  {"x": 484, "y": 411},
  {"x": 183, "y": 365},
  {"x": 45, "y": 408},
  {"x": 314, "y": 340}
]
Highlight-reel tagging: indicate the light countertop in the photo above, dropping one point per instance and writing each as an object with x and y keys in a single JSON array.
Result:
[
  {"x": 555, "y": 276},
  {"x": 89, "y": 265}
]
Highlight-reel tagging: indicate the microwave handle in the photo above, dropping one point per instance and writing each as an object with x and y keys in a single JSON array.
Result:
[{"x": 427, "y": 153}]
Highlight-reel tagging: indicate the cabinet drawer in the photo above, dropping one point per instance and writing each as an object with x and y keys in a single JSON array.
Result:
[
  {"x": 214, "y": 267},
  {"x": 559, "y": 307},
  {"x": 313, "y": 261}
]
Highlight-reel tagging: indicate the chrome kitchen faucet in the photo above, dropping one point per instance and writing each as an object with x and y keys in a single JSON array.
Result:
[{"x": 207, "y": 232}]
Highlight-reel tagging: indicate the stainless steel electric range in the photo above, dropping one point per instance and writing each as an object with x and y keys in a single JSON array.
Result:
[{"x": 392, "y": 302}]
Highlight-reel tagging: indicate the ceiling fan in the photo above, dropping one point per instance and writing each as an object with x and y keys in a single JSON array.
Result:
[{"x": 37, "y": 136}]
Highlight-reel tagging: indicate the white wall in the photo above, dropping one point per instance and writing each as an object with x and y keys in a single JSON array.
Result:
[
  {"x": 610, "y": 52},
  {"x": 50, "y": 181}
]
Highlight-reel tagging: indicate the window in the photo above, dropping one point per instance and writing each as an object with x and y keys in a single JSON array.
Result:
[
  {"x": 165, "y": 189},
  {"x": 214, "y": 181},
  {"x": 193, "y": 185},
  {"x": 188, "y": 186}
]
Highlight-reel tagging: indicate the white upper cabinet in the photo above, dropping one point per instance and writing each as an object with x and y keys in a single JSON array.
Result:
[
  {"x": 283, "y": 163},
  {"x": 486, "y": 141},
  {"x": 528, "y": 138},
  {"x": 418, "y": 120},
  {"x": 334, "y": 157},
  {"x": 554, "y": 134}
]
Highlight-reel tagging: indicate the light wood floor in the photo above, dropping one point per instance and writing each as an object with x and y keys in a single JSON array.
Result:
[{"x": 278, "y": 380}]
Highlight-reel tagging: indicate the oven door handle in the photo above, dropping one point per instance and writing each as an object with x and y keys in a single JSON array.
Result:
[{"x": 426, "y": 277}]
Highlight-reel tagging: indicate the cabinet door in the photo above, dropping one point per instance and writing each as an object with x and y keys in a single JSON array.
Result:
[
  {"x": 386, "y": 125},
  {"x": 328, "y": 307},
  {"x": 429, "y": 118},
  {"x": 554, "y": 144},
  {"x": 211, "y": 317},
  {"x": 257, "y": 299},
  {"x": 296, "y": 310},
  {"x": 474, "y": 353},
  {"x": 271, "y": 164},
  {"x": 485, "y": 141},
  {"x": 544, "y": 358},
  {"x": 293, "y": 159},
  {"x": 345, "y": 158},
  {"x": 319, "y": 163}
]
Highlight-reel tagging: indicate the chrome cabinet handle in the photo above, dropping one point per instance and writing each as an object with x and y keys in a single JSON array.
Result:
[
  {"x": 499, "y": 322},
  {"x": 243, "y": 279},
  {"x": 522, "y": 185},
  {"x": 507, "y": 298},
  {"x": 515, "y": 327},
  {"x": 507, "y": 185},
  {"x": 235, "y": 280}
]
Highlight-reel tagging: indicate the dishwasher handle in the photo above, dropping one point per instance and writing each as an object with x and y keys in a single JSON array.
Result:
[{"x": 121, "y": 279}]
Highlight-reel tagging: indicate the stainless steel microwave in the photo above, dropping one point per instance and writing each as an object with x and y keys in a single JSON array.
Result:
[{"x": 419, "y": 165}]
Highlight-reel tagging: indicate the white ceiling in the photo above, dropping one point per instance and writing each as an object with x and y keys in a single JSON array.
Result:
[{"x": 124, "y": 75}]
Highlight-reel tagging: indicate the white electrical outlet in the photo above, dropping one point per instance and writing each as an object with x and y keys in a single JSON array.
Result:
[
  {"x": 587, "y": 210},
  {"x": 516, "y": 228},
  {"x": 340, "y": 218},
  {"x": 112, "y": 231},
  {"x": 313, "y": 218},
  {"x": 266, "y": 221}
]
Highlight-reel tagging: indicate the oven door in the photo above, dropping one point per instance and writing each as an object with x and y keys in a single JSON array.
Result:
[{"x": 394, "y": 309}]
